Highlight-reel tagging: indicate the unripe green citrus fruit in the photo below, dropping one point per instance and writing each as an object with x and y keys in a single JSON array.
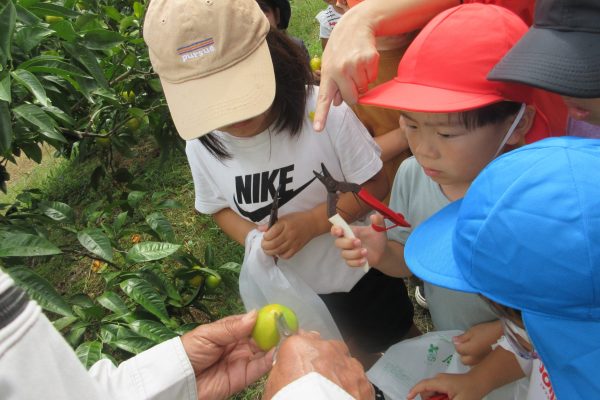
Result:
[
  {"x": 265, "y": 332},
  {"x": 212, "y": 281},
  {"x": 315, "y": 63},
  {"x": 53, "y": 18}
]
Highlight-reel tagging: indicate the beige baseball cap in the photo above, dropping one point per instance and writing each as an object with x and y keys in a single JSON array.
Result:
[{"x": 213, "y": 61}]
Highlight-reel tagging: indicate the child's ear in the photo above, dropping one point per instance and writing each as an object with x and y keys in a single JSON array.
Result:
[{"x": 523, "y": 127}]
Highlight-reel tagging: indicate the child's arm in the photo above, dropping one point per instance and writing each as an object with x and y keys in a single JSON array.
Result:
[
  {"x": 477, "y": 341},
  {"x": 374, "y": 247},
  {"x": 499, "y": 368},
  {"x": 292, "y": 231},
  {"x": 392, "y": 143},
  {"x": 233, "y": 225}
]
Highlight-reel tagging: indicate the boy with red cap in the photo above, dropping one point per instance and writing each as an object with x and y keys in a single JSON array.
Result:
[{"x": 456, "y": 122}]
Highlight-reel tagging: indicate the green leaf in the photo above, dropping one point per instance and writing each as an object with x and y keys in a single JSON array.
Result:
[
  {"x": 138, "y": 9},
  {"x": 146, "y": 296},
  {"x": 111, "y": 301},
  {"x": 169, "y": 203},
  {"x": 164, "y": 283},
  {"x": 32, "y": 84},
  {"x": 29, "y": 37},
  {"x": 161, "y": 226},
  {"x": 101, "y": 39},
  {"x": 89, "y": 60},
  {"x": 36, "y": 116},
  {"x": 112, "y": 13},
  {"x": 63, "y": 322},
  {"x": 76, "y": 333},
  {"x": 134, "y": 198},
  {"x": 57, "y": 211},
  {"x": 150, "y": 251},
  {"x": 133, "y": 345},
  {"x": 183, "y": 329},
  {"x": 52, "y": 65},
  {"x": 60, "y": 115},
  {"x": 89, "y": 353},
  {"x": 155, "y": 85},
  {"x": 25, "y": 16},
  {"x": 41, "y": 291},
  {"x": 8, "y": 19},
  {"x": 120, "y": 222},
  {"x": 231, "y": 267},
  {"x": 26, "y": 245},
  {"x": 95, "y": 241},
  {"x": 32, "y": 151},
  {"x": 43, "y": 9},
  {"x": 6, "y": 132},
  {"x": 5, "y": 94},
  {"x": 64, "y": 29},
  {"x": 152, "y": 330}
]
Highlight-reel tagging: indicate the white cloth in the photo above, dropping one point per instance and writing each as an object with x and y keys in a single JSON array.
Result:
[
  {"x": 538, "y": 386},
  {"x": 247, "y": 182},
  {"x": 327, "y": 18},
  {"x": 417, "y": 197},
  {"x": 37, "y": 363},
  {"x": 312, "y": 386}
]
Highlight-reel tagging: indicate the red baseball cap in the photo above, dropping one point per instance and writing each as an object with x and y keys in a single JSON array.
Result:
[{"x": 445, "y": 68}]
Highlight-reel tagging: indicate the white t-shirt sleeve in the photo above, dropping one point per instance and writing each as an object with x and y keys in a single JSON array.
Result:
[
  {"x": 357, "y": 152},
  {"x": 208, "y": 198},
  {"x": 312, "y": 386},
  {"x": 526, "y": 365},
  {"x": 324, "y": 28}
]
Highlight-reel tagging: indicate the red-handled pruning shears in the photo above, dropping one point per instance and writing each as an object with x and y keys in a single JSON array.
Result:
[{"x": 334, "y": 187}]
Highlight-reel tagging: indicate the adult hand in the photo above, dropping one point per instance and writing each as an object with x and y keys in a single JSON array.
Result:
[
  {"x": 224, "y": 358},
  {"x": 477, "y": 341},
  {"x": 289, "y": 235},
  {"x": 306, "y": 352},
  {"x": 368, "y": 245},
  {"x": 455, "y": 386},
  {"x": 350, "y": 61}
]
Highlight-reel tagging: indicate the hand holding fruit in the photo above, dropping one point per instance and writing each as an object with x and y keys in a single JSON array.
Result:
[
  {"x": 265, "y": 332},
  {"x": 306, "y": 352},
  {"x": 224, "y": 358}
]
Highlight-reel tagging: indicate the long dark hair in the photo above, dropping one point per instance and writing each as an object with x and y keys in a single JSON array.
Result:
[{"x": 291, "y": 76}]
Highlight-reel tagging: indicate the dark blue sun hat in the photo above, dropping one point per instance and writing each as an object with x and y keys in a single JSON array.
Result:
[{"x": 527, "y": 235}]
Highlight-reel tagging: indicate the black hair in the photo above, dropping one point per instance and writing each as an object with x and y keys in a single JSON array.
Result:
[
  {"x": 284, "y": 10},
  {"x": 292, "y": 72},
  {"x": 491, "y": 114}
]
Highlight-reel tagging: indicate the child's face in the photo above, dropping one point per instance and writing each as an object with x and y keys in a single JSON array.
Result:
[
  {"x": 249, "y": 127},
  {"x": 449, "y": 153},
  {"x": 587, "y": 110}
]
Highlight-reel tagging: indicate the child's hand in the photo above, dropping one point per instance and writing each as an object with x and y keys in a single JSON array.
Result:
[
  {"x": 455, "y": 386},
  {"x": 288, "y": 236},
  {"x": 477, "y": 341},
  {"x": 369, "y": 245}
]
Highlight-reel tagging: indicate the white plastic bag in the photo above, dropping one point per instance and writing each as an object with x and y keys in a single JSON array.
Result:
[
  {"x": 263, "y": 282},
  {"x": 406, "y": 363}
]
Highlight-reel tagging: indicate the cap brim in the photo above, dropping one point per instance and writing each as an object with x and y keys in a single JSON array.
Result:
[
  {"x": 420, "y": 98},
  {"x": 563, "y": 62},
  {"x": 428, "y": 252},
  {"x": 235, "y": 94},
  {"x": 570, "y": 352}
]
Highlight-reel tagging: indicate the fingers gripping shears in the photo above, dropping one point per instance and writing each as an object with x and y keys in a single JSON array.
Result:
[{"x": 334, "y": 187}]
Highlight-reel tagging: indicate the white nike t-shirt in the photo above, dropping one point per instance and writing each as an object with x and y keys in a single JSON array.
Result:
[{"x": 247, "y": 182}]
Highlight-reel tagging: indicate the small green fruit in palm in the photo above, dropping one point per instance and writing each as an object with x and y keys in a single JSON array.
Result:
[{"x": 265, "y": 332}]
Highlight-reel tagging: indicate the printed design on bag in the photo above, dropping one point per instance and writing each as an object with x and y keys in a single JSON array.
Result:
[
  {"x": 448, "y": 359},
  {"x": 262, "y": 186},
  {"x": 432, "y": 353},
  {"x": 196, "y": 49}
]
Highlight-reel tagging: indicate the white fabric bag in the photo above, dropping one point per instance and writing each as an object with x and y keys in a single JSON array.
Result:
[
  {"x": 262, "y": 282},
  {"x": 405, "y": 364}
]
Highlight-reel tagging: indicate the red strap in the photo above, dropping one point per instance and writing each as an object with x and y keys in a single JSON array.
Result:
[{"x": 396, "y": 218}]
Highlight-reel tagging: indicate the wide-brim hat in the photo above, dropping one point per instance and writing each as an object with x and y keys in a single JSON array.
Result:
[
  {"x": 213, "y": 61},
  {"x": 527, "y": 235},
  {"x": 560, "y": 53},
  {"x": 445, "y": 68}
]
